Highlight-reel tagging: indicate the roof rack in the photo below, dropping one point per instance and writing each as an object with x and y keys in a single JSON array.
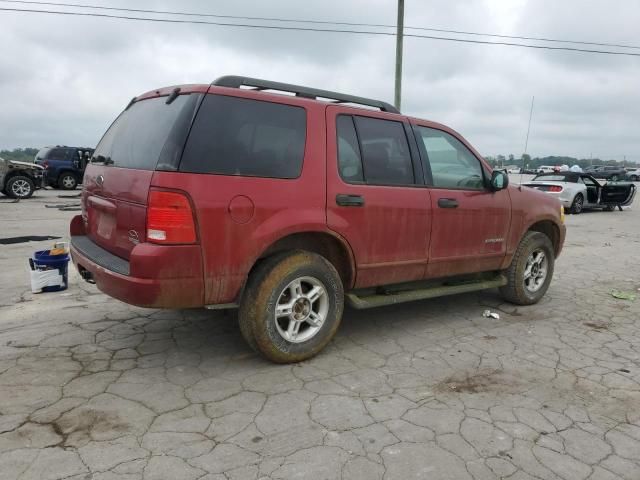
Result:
[{"x": 234, "y": 81}]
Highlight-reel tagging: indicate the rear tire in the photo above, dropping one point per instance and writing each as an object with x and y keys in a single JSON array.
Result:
[
  {"x": 577, "y": 205},
  {"x": 292, "y": 306},
  {"x": 67, "y": 181},
  {"x": 531, "y": 270},
  {"x": 20, "y": 187}
]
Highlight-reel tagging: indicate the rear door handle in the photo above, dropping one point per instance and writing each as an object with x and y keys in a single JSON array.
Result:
[
  {"x": 349, "y": 200},
  {"x": 447, "y": 203}
]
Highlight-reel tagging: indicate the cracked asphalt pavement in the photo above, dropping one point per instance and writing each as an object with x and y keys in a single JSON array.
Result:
[{"x": 91, "y": 388}]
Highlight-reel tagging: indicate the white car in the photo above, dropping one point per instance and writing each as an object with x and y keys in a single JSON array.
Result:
[
  {"x": 634, "y": 175},
  {"x": 578, "y": 191},
  {"x": 546, "y": 169}
]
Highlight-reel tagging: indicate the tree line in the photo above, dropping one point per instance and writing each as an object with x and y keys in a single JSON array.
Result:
[
  {"x": 533, "y": 163},
  {"x": 19, "y": 154}
]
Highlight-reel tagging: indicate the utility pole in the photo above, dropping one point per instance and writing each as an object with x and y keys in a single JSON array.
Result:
[{"x": 399, "y": 35}]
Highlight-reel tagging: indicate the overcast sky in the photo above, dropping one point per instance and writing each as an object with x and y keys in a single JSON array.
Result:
[{"x": 64, "y": 79}]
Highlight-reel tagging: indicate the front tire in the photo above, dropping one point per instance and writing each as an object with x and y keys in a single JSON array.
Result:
[
  {"x": 292, "y": 306},
  {"x": 577, "y": 205},
  {"x": 20, "y": 187},
  {"x": 531, "y": 270},
  {"x": 67, "y": 181}
]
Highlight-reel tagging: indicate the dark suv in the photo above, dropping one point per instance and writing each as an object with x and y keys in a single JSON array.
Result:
[
  {"x": 286, "y": 206},
  {"x": 608, "y": 172},
  {"x": 64, "y": 166}
]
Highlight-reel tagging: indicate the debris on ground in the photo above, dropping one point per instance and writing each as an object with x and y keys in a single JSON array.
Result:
[
  {"x": 621, "y": 295},
  {"x": 77, "y": 195},
  {"x": 27, "y": 238},
  {"x": 65, "y": 207},
  {"x": 490, "y": 314}
]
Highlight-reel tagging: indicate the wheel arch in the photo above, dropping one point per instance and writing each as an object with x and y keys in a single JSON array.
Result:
[
  {"x": 17, "y": 173},
  {"x": 332, "y": 247},
  {"x": 551, "y": 230},
  {"x": 63, "y": 171}
]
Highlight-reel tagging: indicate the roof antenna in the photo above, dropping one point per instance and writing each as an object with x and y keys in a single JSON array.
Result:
[{"x": 526, "y": 142}]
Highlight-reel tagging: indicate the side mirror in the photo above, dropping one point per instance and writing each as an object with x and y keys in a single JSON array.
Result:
[{"x": 499, "y": 180}]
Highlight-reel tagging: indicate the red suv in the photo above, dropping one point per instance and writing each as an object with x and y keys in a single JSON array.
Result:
[{"x": 287, "y": 205}]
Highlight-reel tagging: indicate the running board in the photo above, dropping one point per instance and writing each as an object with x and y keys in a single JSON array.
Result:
[{"x": 378, "y": 300}]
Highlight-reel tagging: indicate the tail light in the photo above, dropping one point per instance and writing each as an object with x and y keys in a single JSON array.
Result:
[
  {"x": 170, "y": 218},
  {"x": 555, "y": 188}
]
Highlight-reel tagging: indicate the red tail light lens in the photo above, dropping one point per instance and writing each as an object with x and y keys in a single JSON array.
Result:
[
  {"x": 170, "y": 218},
  {"x": 555, "y": 188}
]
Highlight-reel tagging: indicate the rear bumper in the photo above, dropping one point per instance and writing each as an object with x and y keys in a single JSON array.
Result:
[{"x": 155, "y": 276}]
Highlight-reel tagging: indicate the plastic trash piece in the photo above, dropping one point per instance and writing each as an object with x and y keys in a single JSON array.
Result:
[
  {"x": 45, "y": 278},
  {"x": 619, "y": 294},
  {"x": 490, "y": 314}
]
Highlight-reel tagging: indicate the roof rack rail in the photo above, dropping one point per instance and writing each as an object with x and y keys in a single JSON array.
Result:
[{"x": 234, "y": 81}]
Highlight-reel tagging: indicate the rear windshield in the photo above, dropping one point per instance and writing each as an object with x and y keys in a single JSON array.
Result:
[
  {"x": 150, "y": 134},
  {"x": 558, "y": 178},
  {"x": 239, "y": 136}
]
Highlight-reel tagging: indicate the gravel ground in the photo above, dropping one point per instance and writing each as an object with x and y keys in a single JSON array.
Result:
[{"x": 91, "y": 388}]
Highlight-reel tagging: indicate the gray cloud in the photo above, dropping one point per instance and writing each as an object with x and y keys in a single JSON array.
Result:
[{"x": 64, "y": 79}]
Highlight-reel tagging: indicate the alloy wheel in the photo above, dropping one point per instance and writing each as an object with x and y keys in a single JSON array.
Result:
[
  {"x": 578, "y": 203},
  {"x": 21, "y": 188},
  {"x": 535, "y": 272},
  {"x": 301, "y": 309},
  {"x": 68, "y": 182}
]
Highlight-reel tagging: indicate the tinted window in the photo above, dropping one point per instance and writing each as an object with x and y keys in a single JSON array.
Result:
[
  {"x": 349, "y": 161},
  {"x": 42, "y": 153},
  {"x": 452, "y": 164},
  {"x": 239, "y": 136},
  {"x": 558, "y": 178},
  {"x": 59, "y": 154},
  {"x": 147, "y": 134},
  {"x": 385, "y": 152}
]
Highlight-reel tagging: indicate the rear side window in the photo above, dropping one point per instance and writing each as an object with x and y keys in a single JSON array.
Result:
[
  {"x": 59, "y": 154},
  {"x": 149, "y": 133},
  {"x": 373, "y": 150},
  {"x": 239, "y": 136},
  {"x": 385, "y": 151}
]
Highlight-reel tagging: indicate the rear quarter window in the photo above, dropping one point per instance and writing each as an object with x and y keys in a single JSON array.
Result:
[{"x": 239, "y": 136}]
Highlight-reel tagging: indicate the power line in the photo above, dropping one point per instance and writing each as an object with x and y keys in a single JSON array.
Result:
[
  {"x": 319, "y": 22},
  {"x": 310, "y": 29}
]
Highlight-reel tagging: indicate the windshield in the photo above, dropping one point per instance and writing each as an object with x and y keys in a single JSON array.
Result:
[
  {"x": 149, "y": 134},
  {"x": 42, "y": 153}
]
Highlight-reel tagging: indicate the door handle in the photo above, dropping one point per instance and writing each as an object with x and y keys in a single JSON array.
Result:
[
  {"x": 349, "y": 200},
  {"x": 447, "y": 203}
]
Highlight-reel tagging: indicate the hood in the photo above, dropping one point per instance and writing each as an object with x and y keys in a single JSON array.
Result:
[{"x": 25, "y": 164}]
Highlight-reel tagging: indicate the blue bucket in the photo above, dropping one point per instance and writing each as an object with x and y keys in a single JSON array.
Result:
[{"x": 43, "y": 261}]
